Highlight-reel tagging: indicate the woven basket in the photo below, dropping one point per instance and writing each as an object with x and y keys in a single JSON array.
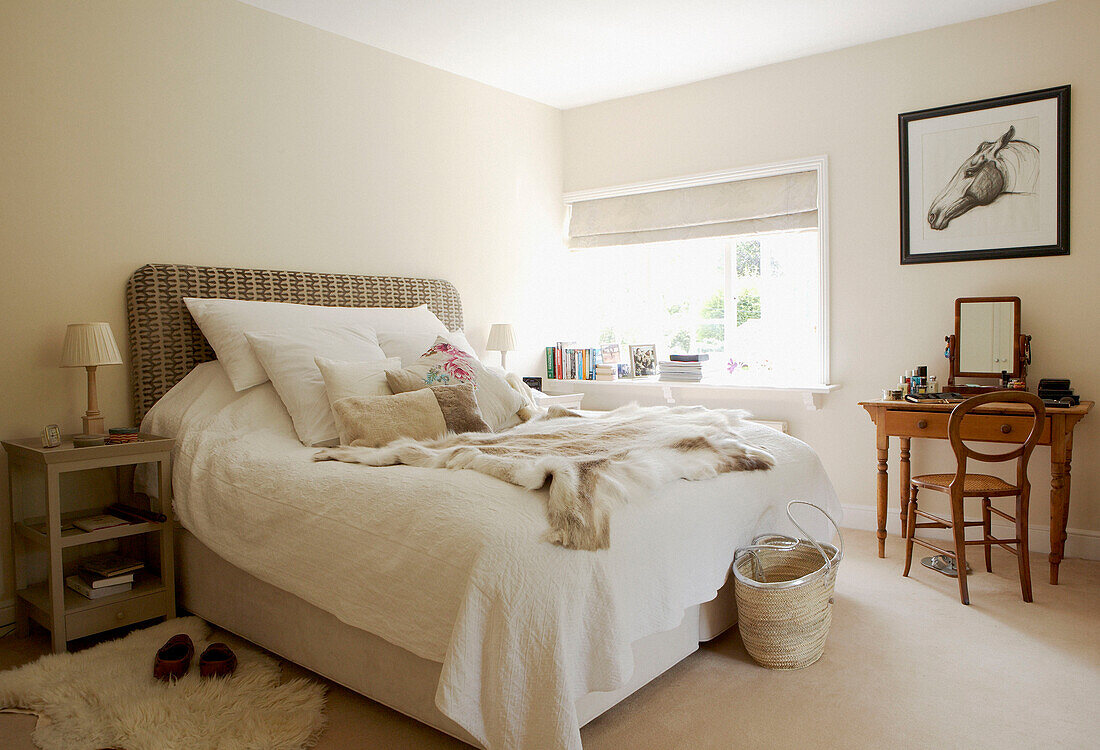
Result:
[{"x": 784, "y": 592}]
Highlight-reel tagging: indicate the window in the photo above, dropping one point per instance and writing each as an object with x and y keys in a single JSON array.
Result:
[{"x": 753, "y": 300}]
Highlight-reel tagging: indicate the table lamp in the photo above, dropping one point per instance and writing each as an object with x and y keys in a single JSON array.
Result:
[
  {"x": 89, "y": 345},
  {"x": 502, "y": 339}
]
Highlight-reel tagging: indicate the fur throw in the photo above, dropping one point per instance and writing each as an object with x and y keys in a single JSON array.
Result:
[{"x": 591, "y": 463}]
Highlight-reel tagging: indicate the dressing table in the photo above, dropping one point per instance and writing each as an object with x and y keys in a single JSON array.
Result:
[{"x": 987, "y": 342}]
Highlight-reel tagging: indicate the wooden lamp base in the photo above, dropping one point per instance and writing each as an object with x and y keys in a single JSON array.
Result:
[
  {"x": 92, "y": 420},
  {"x": 93, "y": 425}
]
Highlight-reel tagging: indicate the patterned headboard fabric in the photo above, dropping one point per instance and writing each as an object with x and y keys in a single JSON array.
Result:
[{"x": 165, "y": 343}]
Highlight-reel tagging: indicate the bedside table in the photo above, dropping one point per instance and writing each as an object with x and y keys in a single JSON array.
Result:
[{"x": 34, "y": 479}]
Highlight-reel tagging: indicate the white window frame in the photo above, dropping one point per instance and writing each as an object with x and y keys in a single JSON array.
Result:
[{"x": 817, "y": 164}]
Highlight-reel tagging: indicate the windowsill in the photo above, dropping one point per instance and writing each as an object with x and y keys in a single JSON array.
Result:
[{"x": 811, "y": 393}]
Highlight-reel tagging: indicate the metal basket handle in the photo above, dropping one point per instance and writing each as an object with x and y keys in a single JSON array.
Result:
[{"x": 809, "y": 538}]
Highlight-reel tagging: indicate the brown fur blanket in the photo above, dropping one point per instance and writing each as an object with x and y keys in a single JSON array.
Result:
[{"x": 591, "y": 463}]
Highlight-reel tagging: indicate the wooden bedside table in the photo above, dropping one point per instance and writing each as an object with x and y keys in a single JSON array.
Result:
[{"x": 34, "y": 477}]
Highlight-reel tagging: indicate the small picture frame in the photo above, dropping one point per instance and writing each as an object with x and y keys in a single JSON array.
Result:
[
  {"x": 643, "y": 359},
  {"x": 51, "y": 436},
  {"x": 609, "y": 354}
]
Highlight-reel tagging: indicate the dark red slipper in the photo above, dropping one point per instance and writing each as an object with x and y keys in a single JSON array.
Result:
[
  {"x": 218, "y": 660},
  {"x": 174, "y": 658}
]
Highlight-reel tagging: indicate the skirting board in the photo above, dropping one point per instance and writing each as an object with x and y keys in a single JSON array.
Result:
[{"x": 1082, "y": 543}]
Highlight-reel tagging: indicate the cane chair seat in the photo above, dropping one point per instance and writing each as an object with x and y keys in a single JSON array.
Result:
[{"x": 976, "y": 485}]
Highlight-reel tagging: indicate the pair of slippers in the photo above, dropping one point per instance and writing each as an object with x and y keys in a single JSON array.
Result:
[{"x": 174, "y": 659}]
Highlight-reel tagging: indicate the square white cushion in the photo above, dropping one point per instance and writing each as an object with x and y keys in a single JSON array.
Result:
[
  {"x": 356, "y": 379},
  {"x": 288, "y": 358},
  {"x": 411, "y": 346},
  {"x": 224, "y": 322}
]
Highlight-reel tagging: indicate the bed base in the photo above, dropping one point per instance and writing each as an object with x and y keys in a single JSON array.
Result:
[{"x": 289, "y": 626}]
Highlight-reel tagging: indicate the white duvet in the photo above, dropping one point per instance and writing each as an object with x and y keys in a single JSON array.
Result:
[{"x": 450, "y": 564}]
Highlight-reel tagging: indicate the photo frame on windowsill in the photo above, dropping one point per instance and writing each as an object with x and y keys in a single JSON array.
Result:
[
  {"x": 986, "y": 179},
  {"x": 643, "y": 360}
]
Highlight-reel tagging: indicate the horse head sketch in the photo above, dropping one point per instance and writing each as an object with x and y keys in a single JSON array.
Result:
[{"x": 994, "y": 169}]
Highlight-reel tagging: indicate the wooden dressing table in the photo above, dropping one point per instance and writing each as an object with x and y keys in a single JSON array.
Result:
[{"x": 1003, "y": 423}]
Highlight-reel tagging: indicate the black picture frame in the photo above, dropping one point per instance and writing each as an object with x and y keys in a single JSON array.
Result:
[{"x": 1060, "y": 94}]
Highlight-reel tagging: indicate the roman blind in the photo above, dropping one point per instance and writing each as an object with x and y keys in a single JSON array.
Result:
[{"x": 745, "y": 206}]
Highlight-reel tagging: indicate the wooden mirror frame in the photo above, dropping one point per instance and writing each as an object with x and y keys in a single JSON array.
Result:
[{"x": 1021, "y": 344}]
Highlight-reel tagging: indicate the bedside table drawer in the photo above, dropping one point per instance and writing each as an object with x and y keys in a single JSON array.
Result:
[{"x": 126, "y": 612}]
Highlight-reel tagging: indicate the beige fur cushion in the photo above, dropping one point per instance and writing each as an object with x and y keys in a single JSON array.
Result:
[
  {"x": 424, "y": 414},
  {"x": 444, "y": 364}
]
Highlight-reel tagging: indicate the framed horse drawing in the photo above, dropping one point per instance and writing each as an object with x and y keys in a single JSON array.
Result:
[{"x": 986, "y": 179}]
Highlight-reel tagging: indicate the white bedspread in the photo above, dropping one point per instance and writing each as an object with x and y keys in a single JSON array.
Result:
[{"x": 449, "y": 564}]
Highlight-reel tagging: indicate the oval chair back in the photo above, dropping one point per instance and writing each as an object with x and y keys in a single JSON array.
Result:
[{"x": 963, "y": 452}]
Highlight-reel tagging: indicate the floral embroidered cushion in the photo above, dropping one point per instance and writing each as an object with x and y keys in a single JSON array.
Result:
[{"x": 446, "y": 364}]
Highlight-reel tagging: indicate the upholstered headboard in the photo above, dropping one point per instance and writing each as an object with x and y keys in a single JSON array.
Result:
[{"x": 165, "y": 343}]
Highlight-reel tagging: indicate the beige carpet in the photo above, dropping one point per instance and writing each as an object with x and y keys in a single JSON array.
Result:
[{"x": 906, "y": 666}]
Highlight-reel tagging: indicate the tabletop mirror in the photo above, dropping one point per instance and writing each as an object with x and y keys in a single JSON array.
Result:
[{"x": 987, "y": 342}]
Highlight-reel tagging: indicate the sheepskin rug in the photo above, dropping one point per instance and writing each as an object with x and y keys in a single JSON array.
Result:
[{"x": 106, "y": 697}]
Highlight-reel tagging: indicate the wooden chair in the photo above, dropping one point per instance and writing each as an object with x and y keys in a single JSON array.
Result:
[{"x": 962, "y": 485}]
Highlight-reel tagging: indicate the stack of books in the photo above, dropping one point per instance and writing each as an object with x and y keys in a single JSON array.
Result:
[
  {"x": 104, "y": 575},
  {"x": 683, "y": 368},
  {"x": 607, "y": 372}
]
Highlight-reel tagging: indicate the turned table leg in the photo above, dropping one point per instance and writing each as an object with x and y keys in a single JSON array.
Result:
[
  {"x": 1060, "y": 457},
  {"x": 883, "y": 489},
  {"x": 904, "y": 479}
]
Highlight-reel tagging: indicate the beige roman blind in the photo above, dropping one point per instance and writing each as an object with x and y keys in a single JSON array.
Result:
[{"x": 746, "y": 206}]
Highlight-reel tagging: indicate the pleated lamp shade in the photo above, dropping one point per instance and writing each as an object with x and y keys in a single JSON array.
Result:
[
  {"x": 501, "y": 338},
  {"x": 89, "y": 345}
]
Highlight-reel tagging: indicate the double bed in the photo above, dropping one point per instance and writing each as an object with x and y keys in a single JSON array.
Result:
[{"x": 430, "y": 590}]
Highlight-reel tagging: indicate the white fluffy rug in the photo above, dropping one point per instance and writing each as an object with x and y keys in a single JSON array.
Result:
[{"x": 106, "y": 697}]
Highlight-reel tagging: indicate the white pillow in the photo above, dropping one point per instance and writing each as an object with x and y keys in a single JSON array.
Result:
[
  {"x": 224, "y": 322},
  {"x": 410, "y": 346},
  {"x": 356, "y": 379},
  {"x": 288, "y": 359}
]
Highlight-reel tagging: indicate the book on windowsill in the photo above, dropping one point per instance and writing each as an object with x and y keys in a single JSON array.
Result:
[
  {"x": 102, "y": 582},
  {"x": 77, "y": 584},
  {"x": 111, "y": 564},
  {"x": 689, "y": 357}
]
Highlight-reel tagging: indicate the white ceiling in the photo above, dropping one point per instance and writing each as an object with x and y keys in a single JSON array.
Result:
[{"x": 567, "y": 53}]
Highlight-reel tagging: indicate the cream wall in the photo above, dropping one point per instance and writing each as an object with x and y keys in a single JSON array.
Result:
[
  {"x": 886, "y": 318},
  {"x": 210, "y": 132}
]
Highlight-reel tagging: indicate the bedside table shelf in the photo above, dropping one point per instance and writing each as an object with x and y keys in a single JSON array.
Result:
[
  {"x": 33, "y": 529},
  {"x": 34, "y": 476}
]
